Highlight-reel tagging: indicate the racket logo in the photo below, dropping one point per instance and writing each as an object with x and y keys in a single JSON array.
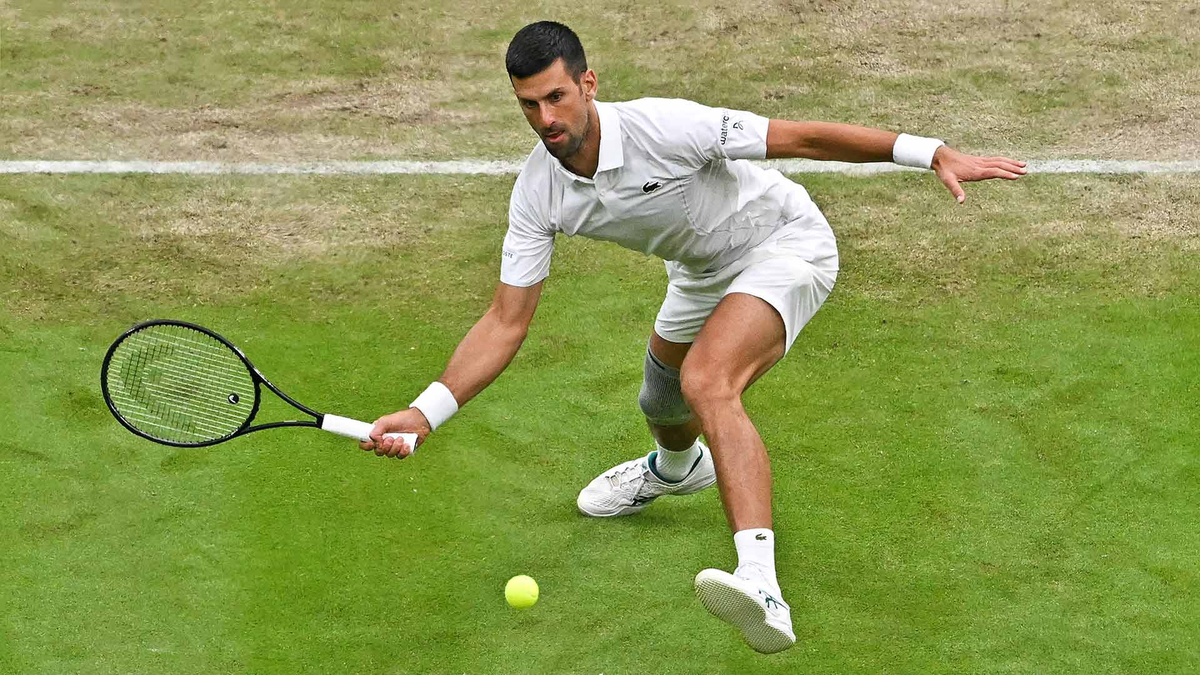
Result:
[{"x": 233, "y": 398}]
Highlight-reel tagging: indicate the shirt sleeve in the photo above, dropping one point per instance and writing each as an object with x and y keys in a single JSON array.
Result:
[
  {"x": 528, "y": 245},
  {"x": 699, "y": 134}
]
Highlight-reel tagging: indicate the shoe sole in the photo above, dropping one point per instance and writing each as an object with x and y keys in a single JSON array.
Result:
[
  {"x": 731, "y": 605},
  {"x": 623, "y": 511}
]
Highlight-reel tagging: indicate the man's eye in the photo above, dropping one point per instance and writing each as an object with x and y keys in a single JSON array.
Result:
[{"x": 554, "y": 98}]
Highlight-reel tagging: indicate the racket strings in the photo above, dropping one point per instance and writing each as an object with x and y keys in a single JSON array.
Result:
[{"x": 178, "y": 384}]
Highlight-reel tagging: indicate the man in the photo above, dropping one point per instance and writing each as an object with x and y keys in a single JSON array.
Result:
[{"x": 749, "y": 258}]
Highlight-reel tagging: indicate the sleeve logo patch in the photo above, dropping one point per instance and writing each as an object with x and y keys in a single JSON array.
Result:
[{"x": 725, "y": 128}]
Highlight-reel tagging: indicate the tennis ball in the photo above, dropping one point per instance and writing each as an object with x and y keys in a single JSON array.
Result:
[{"x": 521, "y": 592}]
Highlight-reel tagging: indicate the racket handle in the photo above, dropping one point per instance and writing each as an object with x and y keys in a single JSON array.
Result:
[{"x": 344, "y": 426}]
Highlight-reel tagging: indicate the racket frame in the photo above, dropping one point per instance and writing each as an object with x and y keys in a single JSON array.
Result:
[{"x": 255, "y": 375}]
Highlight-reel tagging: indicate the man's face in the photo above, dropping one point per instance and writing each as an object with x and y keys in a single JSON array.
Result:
[{"x": 557, "y": 107}]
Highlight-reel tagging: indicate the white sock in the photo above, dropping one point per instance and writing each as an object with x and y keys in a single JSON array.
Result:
[
  {"x": 757, "y": 547},
  {"x": 675, "y": 466}
]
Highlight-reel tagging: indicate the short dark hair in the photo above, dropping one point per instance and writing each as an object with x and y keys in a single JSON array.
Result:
[{"x": 536, "y": 46}]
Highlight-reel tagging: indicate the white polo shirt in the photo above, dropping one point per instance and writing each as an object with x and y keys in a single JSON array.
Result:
[{"x": 668, "y": 184}]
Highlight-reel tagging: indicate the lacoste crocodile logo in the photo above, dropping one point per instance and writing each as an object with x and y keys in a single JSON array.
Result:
[{"x": 651, "y": 186}]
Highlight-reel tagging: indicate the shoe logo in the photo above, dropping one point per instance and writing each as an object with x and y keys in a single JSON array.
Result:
[
  {"x": 760, "y": 537},
  {"x": 651, "y": 186},
  {"x": 638, "y": 501},
  {"x": 768, "y": 601}
]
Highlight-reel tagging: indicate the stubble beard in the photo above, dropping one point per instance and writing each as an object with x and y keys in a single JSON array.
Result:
[{"x": 573, "y": 143}]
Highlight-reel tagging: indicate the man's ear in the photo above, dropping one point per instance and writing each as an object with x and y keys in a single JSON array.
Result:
[{"x": 587, "y": 82}]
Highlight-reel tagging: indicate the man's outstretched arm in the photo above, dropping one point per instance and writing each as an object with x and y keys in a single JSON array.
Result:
[
  {"x": 850, "y": 143},
  {"x": 479, "y": 359}
]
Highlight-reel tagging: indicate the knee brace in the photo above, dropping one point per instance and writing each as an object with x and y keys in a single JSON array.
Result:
[{"x": 661, "y": 399}]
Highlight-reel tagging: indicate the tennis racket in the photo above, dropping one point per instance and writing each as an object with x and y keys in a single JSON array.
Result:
[{"x": 180, "y": 384}]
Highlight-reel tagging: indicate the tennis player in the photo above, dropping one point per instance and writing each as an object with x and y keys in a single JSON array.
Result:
[{"x": 749, "y": 258}]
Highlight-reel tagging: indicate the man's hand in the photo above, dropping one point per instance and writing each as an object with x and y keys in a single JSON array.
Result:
[
  {"x": 409, "y": 420},
  {"x": 955, "y": 167}
]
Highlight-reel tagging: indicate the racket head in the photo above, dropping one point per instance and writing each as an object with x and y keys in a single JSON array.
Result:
[{"x": 179, "y": 384}]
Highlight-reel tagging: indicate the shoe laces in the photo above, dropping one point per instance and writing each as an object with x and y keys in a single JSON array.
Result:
[
  {"x": 621, "y": 477},
  {"x": 751, "y": 572},
  {"x": 757, "y": 575}
]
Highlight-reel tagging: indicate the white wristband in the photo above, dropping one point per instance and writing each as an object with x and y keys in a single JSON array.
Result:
[
  {"x": 915, "y": 151},
  {"x": 436, "y": 403}
]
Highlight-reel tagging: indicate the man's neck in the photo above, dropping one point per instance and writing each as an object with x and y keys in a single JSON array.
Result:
[{"x": 587, "y": 158}]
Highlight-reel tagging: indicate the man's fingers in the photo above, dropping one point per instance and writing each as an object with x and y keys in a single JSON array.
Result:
[
  {"x": 978, "y": 168},
  {"x": 378, "y": 429},
  {"x": 397, "y": 448},
  {"x": 951, "y": 183},
  {"x": 999, "y": 173},
  {"x": 987, "y": 172},
  {"x": 1007, "y": 165},
  {"x": 1006, "y": 160},
  {"x": 382, "y": 447}
]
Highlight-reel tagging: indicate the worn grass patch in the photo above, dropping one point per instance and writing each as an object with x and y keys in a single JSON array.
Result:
[
  {"x": 213, "y": 238},
  {"x": 291, "y": 80}
]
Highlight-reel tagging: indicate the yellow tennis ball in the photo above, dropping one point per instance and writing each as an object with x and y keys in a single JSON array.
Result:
[{"x": 521, "y": 591}]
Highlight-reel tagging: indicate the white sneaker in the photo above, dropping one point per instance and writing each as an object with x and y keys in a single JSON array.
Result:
[
  {"x": 630, "y": 487},
  {"x": 751, "y": 603}
]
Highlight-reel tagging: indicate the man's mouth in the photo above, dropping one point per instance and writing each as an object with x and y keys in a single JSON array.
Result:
[{"x": 554, "y": 137}]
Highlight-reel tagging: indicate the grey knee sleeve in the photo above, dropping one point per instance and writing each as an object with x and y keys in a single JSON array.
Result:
[{"x": 661, "y": 398}]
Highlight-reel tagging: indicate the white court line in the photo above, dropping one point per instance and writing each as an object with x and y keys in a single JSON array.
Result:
[{"x": 508, "y": 167}]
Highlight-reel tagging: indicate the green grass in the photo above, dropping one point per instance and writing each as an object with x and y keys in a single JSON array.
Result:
[{"x": 983, "y": 445}]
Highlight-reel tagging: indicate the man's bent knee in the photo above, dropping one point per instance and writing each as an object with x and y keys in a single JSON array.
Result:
[{"x": 705, "y": 389}]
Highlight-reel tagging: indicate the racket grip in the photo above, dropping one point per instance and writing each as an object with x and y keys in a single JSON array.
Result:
[{"x": 344, "y": 426}]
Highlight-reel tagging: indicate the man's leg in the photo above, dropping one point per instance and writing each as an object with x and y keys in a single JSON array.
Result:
[
  {"x": 675, "y": 437},
  {"x": 678, "y": 446},
  {"x": 742, "y": 340},
  {"x": 679, "y": 465}
]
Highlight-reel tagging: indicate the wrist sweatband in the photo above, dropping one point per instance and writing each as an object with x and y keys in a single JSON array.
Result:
[
  {"x": 915, "y": 151},
  {"x": 436, "y": 403}
]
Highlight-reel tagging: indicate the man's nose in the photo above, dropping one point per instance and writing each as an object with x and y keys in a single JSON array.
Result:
[{"x": 546, "y": 115}]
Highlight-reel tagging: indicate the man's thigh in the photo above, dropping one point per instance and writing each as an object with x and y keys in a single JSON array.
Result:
[
  {"x": 792, "y": 286},
  {"x": 742, "y": 340}
]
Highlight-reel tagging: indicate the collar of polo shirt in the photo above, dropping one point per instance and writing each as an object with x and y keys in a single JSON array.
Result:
[{"x": 612, "y": 152}]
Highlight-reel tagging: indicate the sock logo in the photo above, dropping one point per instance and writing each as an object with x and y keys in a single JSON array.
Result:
[{"x": 760, "y": 537}]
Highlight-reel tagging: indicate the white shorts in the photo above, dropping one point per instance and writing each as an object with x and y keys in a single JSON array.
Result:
[{"x": 793, "y": 270}]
